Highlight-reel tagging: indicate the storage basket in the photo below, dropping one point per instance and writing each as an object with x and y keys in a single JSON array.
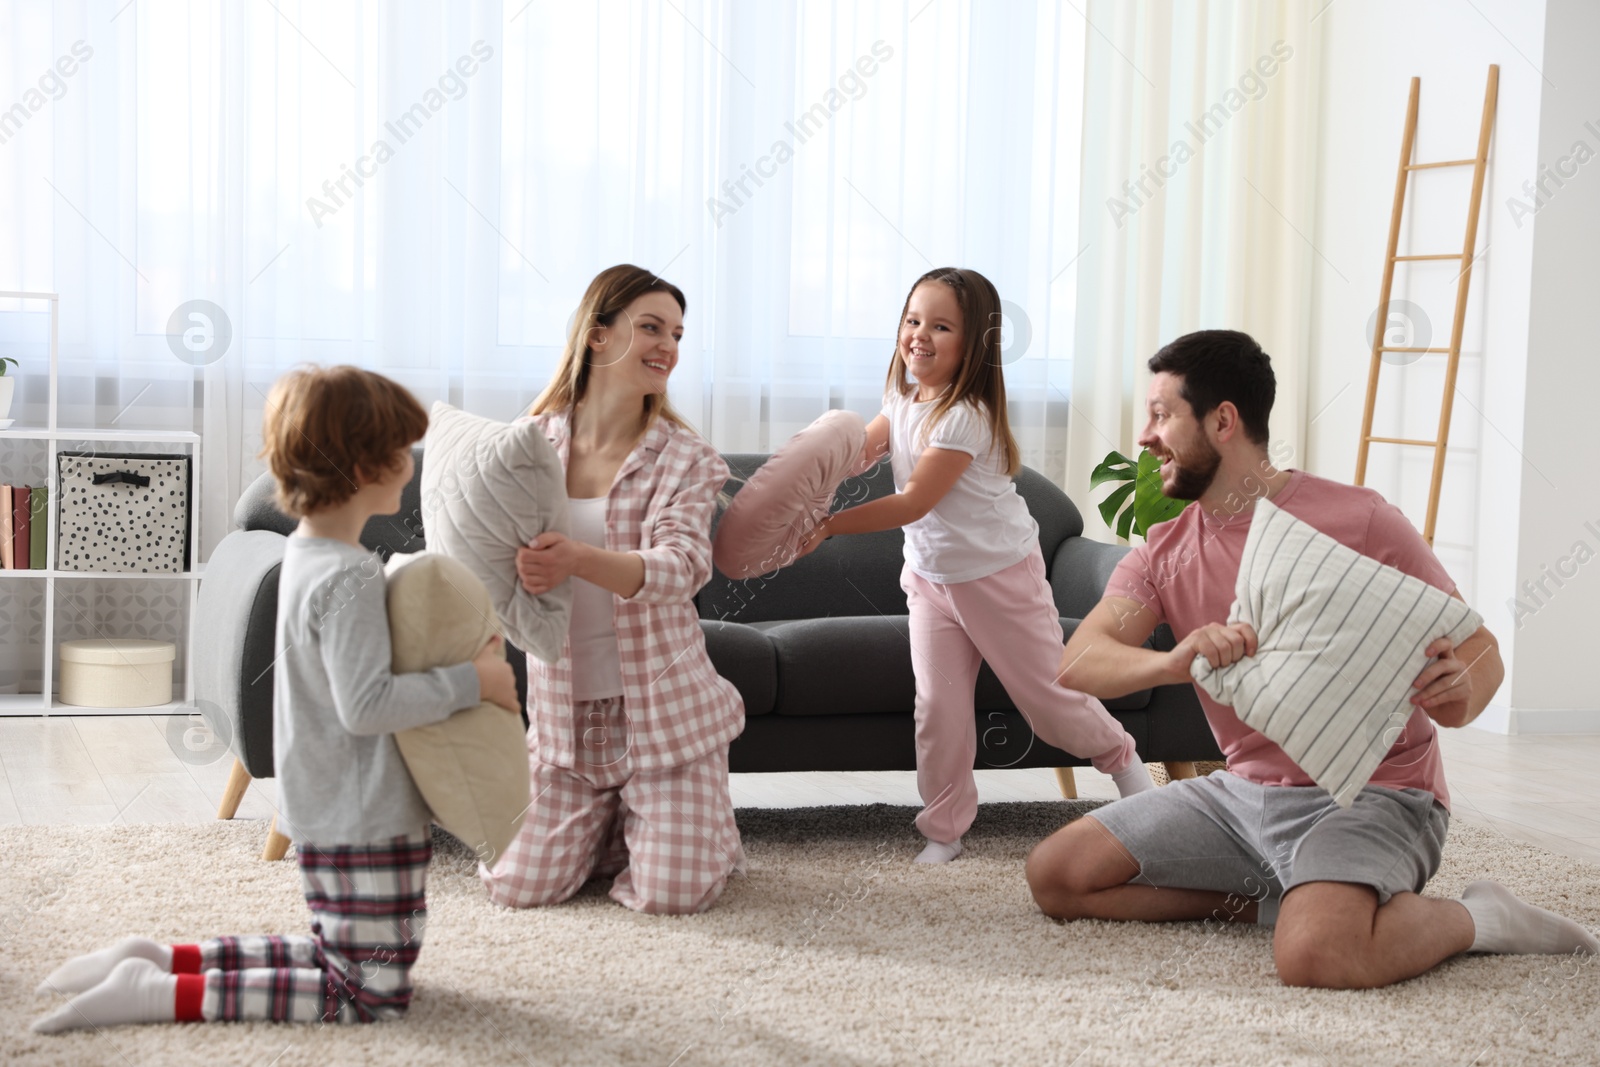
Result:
[{"x": 122, "y": 512}]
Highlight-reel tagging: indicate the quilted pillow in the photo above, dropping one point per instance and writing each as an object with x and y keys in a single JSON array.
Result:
[
  {"x": 489, "y": 488},
  {"x": 472, "y": 769},
  {"x": 787, "y": 496},
  {"x": 1341, "y": 638}
]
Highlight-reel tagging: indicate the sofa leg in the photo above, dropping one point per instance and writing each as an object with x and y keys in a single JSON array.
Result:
[
  {"x": 1177, "y": 770},
  {"x": 1067, "y": 783},
  {"x": 238, "y": 782},
  {"x": 277, "y": 844}
]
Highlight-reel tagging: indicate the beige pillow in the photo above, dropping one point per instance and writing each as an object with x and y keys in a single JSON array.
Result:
[
  {"x": 472, "y": 769},
  {"x": 489, "y": 488}
]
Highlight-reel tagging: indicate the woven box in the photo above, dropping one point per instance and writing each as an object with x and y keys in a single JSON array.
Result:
[
  {"x": 122, "y": 512},
  {"x": 116, "y": 673}
]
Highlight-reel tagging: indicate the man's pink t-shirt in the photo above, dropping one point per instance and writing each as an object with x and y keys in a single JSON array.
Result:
[{"x": 1186, "y": 572}]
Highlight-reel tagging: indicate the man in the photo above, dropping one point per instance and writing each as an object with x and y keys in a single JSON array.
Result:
[{"x": 1259, "y": 842}]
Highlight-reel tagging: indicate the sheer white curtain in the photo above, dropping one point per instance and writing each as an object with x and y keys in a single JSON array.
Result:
[
  {"x": 1199, "y": 156},
  {"x": 426, "y": 190}
]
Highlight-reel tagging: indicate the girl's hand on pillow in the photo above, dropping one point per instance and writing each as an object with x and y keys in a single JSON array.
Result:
[
  {"x": 550, "y": 559},
  {"x": 812, "y": 540}
]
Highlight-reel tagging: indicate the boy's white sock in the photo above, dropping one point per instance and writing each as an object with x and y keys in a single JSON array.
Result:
[
  {"x": 88, "y": 971},
  {"x": 1502, "y": 923},
  {"x": 137, "y": 991},
  {"x": 939, "y": 852},
  {"x": 1134, "y": 778}
]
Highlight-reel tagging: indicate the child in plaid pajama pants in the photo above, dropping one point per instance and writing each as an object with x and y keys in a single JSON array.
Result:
[{"x": 338, "y": 441}]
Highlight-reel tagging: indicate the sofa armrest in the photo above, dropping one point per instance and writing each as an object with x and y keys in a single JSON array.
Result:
[
  {"x": 1079, "y": 573},
  {"x": 236, "y": 619}
]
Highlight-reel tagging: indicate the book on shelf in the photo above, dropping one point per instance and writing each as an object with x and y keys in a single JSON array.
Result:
[
  {"x": 7, "y": 532},
  {"x": 21, "y": 521},
  {"x": 39, "y": 529}
]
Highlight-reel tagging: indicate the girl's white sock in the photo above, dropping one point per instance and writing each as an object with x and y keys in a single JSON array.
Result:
[
  {"x": 939, "y": 852},
  {"x": 1134, "y": 778},
  {"x": 1502, "y": 923},
  {"x": 137, "y": 991},
  {"x": 86, "y": 972}
]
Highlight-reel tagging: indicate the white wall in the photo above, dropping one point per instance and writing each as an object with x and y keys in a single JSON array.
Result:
[
  {"x": 1515, "y": 491},
  {"x": 1559, "y": 516}
]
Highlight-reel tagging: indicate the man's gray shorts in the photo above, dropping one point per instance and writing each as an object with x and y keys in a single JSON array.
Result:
[{"x": 1225, "y": 833}]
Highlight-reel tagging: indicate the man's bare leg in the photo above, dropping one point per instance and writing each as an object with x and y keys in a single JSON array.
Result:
[
  {"x": 1336, "y": 935},
  {"x": 1082, "y": 872}
]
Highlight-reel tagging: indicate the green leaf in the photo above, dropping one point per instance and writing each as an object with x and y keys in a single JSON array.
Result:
[
  {"x": 1125, "y": 523},
  {"x": 1109, "y": 506},
  {"x": 1139, "y": 500},
  {"x": 1115, "y": 467}
]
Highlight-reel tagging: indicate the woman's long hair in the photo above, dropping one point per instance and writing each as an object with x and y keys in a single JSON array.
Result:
[
  {"x": 978, "y": 378},
  {"x": 612, "y": 290}
]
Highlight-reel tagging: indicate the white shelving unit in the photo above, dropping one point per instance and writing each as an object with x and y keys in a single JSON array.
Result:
[{"x": 53, "y": 436}]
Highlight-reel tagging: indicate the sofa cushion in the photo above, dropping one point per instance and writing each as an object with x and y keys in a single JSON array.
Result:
[
  {"x": 761, "y": 530},
  {"x": 862, "y": 665},
  {"x": 743, "y": 655},
  {"x": 472, "y": 768},
  {"x": 489, "y": 488}
]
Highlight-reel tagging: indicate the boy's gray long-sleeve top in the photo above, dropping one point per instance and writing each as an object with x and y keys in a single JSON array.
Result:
[{"x": 337, "y": 704}]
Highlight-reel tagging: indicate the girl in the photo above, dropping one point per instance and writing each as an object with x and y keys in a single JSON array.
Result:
[
  {"x": 628, "y": 746},
  {"x": 338, "y": 441},
  {"x": 974, "y": 576}
]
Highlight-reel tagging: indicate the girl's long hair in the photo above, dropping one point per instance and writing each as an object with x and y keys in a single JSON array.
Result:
[
  {"x": 612, "y": 290},
  {"x": 978, "y": 379}
]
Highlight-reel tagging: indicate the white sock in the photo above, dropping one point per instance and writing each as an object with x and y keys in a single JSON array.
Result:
[
  {"x": 1134, "y": 778},
  {"x": 1502, "y": 923},
  {"x": 86, "y": 972},
  {"x": 939, "y": 852},
  {"x": 137, "y": 991}
]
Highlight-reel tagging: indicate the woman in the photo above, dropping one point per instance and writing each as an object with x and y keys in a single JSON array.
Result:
[{"x": 628, "y": 747}]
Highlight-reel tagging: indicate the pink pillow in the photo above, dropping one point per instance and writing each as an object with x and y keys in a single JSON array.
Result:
[{"x": 785, "y": 499}]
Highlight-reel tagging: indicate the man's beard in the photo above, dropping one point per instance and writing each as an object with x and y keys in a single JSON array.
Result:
[{"x": 1193, "y": 472}]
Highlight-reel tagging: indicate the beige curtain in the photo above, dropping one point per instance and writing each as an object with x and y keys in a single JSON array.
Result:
[{"x": 1199, "y": 154}]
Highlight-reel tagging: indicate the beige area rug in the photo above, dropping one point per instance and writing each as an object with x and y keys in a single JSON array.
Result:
[{"x": 834, "y": 949}]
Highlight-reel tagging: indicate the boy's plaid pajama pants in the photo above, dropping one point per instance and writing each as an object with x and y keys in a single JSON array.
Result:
[{"x": 368, "y": 913}]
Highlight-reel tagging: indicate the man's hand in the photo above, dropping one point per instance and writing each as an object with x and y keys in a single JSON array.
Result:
[
  {"x": 549, "y": 560},
  {"x": 497, "y": 683},
  {"x": 1444, "y": 688},
  {"x": 1220, "y": 644}
]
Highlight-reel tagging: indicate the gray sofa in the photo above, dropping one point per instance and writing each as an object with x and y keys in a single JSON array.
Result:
[{"x": 818, "y": 650}]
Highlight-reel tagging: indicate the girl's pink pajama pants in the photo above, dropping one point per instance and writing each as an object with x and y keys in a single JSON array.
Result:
[{"x": 1008, "y": 619}]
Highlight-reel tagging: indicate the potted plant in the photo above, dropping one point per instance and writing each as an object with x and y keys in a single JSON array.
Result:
[
  {"x": 8, "y": 385},
  {"x": 1140, "y": 501}
]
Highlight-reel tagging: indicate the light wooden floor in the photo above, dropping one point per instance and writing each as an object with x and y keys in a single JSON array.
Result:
[{"x": 104, "y": 769}]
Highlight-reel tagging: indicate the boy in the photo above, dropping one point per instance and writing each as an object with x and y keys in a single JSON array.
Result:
[{"x": 338, "y": 440}]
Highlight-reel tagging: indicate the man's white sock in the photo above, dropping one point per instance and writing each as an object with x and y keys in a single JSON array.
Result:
[
  {"x": 88, "y": 971},
  {"x": 1134, "y": 778},
  {"x": 939, "y": 852},
  {"x": 1502, "y": 923},
  {"x": 137, "y": 991}
]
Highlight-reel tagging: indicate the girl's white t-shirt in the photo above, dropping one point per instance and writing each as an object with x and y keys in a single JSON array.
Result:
[
  {"x": 982, "y": 526},
  {"x": 596, "y": 661}
]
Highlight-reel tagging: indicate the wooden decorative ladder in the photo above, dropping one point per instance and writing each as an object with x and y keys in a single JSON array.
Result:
[{"x": 1478, "y": 163}]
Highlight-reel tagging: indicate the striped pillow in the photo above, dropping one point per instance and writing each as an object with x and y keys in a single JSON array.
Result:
[{"x": 1341, "y": 638}]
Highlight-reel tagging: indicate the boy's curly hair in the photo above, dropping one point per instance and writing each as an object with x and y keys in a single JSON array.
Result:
[{"x": 326, "y": 431}]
